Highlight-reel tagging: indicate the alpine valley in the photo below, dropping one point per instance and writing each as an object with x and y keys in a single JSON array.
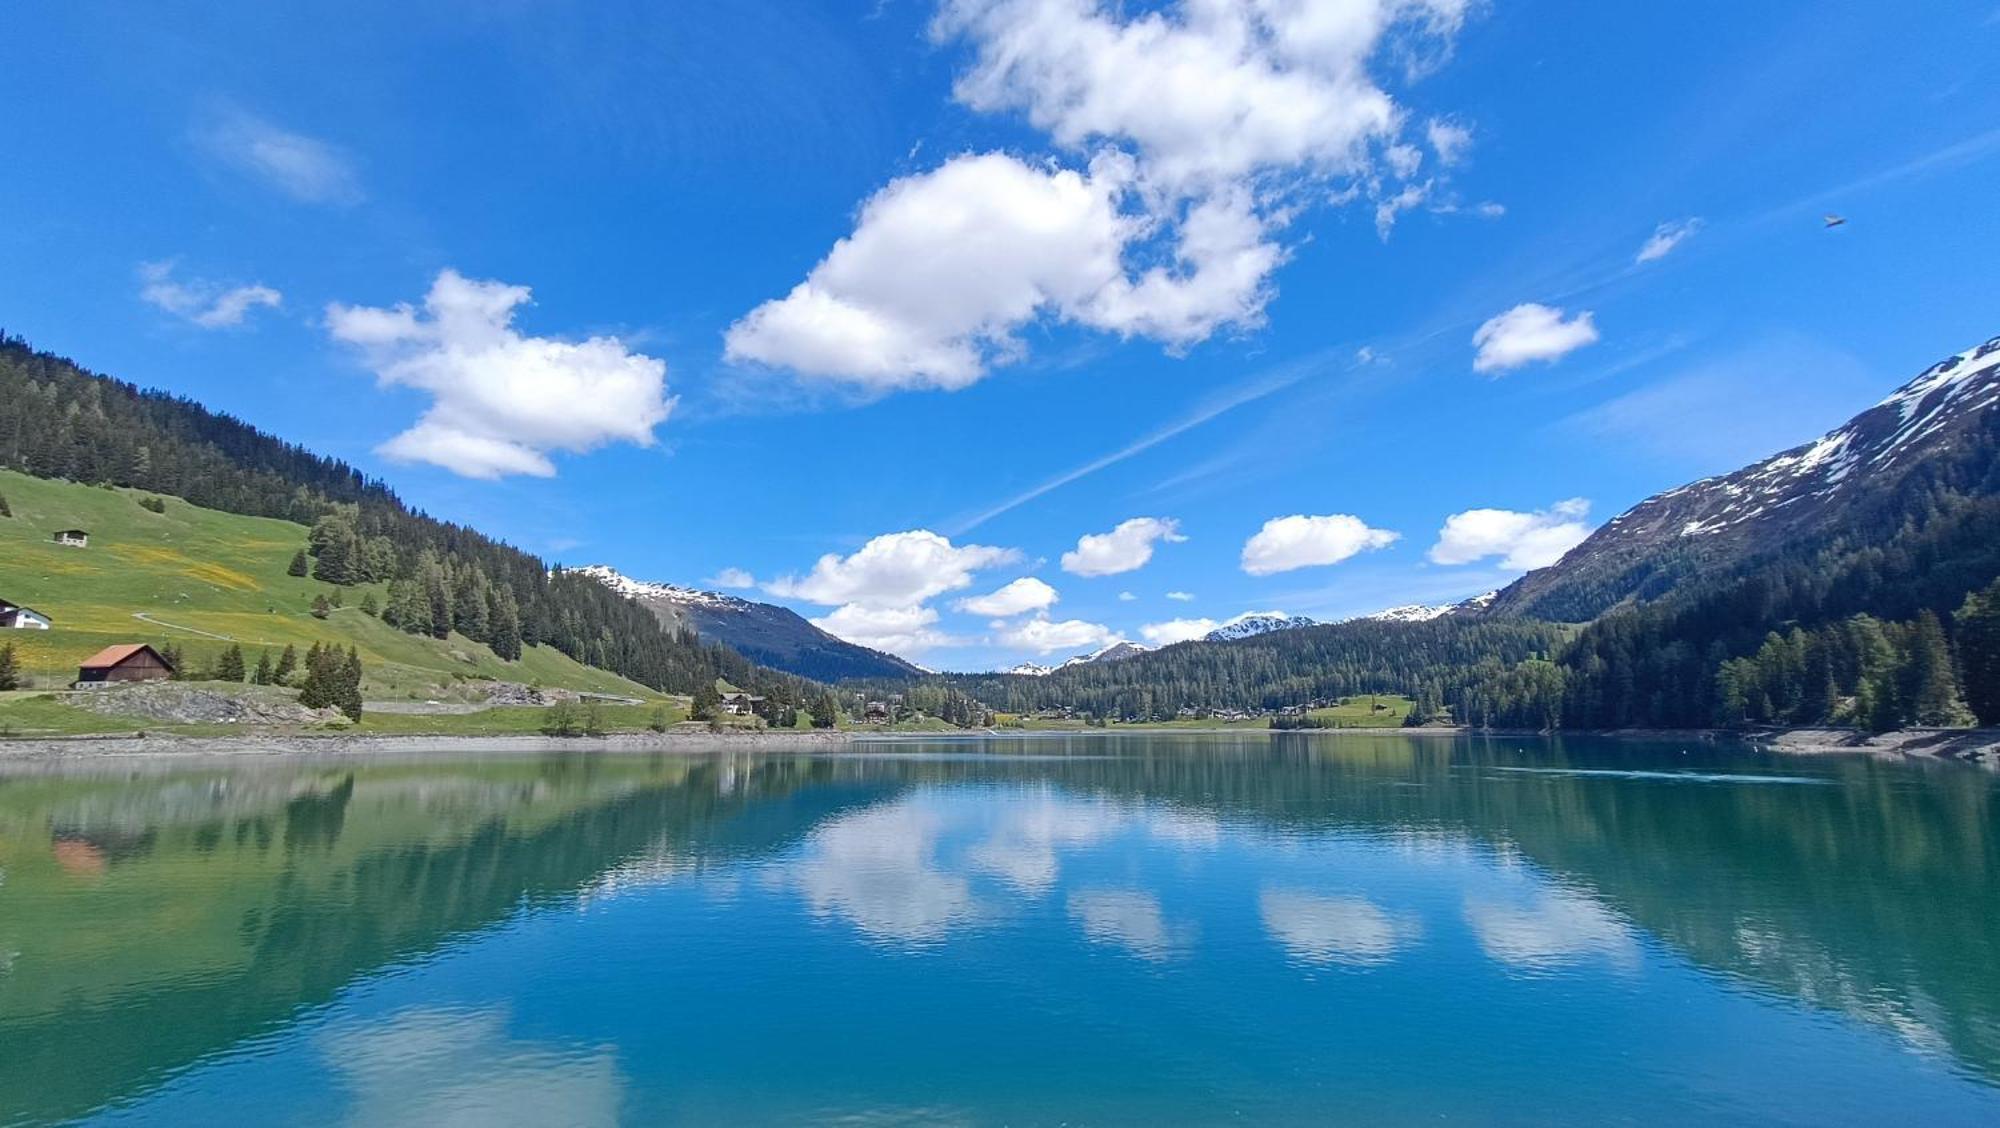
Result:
[{"x": 1848, "y": 581}]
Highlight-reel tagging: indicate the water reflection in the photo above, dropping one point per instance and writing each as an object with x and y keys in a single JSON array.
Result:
[
  {"x": 442, "y": 1068},
  {"x": 1130, "y": 919},
  {"x": 1345, "y": 930},
  {"x": 152, "y": 925},
  {"x": 1545, "y": 927}
]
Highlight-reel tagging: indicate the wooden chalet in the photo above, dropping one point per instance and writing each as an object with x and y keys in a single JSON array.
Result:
[{"x": 127, "y": 663}]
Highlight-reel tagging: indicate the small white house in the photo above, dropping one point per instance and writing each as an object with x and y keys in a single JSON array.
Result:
[
  {"x": 15, "y": 617},
  {"x": 73, "y": 538}
]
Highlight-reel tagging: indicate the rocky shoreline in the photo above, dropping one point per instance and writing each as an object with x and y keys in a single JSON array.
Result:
[
  {"x": 336, "y": 744},
  {"x": 1976, "y": 746}
]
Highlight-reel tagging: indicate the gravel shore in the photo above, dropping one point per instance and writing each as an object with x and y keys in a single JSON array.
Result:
[{"x": 337, "y": 744}]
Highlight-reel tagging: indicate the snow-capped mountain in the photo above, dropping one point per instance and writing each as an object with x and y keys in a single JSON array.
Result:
[
  {"x": 1938, "y": 428},
  {"x": 1425, "y": 612},
  {"x": 1412, "y": 613},
  {"x": 762, "y": 632},
  {"x": 1115, "y": 652},
  {"x": 1256, "y": 623}
]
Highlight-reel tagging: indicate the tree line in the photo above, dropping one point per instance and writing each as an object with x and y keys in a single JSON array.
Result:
[{"x": 63, "y": 421}]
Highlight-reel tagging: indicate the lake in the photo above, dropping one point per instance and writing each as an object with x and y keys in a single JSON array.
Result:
[{"x": 1118, "y": 929}]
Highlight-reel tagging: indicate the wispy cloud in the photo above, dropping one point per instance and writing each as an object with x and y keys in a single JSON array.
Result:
[
  {"x": 1666, "y": 237},
  {"x": 305, "y": 168},
  {"x": 206, "y": 304},
  {"x": 1246, "y": 392}
]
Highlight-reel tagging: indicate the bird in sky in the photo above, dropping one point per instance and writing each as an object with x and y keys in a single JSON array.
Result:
[{"x": 1833, "y": 220}]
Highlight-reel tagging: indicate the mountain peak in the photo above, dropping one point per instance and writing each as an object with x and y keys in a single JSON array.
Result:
[
  {"x": 1253, "y": 623},
  {"x": 763, "y": 632},
  {"x": 1801, "y": 492}
]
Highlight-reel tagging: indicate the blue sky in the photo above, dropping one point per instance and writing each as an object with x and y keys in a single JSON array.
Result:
[{"x": 883, "y": 306}]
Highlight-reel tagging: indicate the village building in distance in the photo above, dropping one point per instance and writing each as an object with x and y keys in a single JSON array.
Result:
[
  {"x": 15, "y": 617},
  {"x": 126, "y": 663},
  {"x": 73, "y": 538}
]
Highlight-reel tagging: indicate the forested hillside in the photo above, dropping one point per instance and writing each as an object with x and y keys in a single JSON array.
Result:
[
  {"x": 1427, "y": 661},
  {"x": 1850, "y": 580},
  {"x": 61, "y": 421}
]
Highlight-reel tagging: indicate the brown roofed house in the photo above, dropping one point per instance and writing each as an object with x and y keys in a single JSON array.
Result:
[{"x": 129, "y": 662}]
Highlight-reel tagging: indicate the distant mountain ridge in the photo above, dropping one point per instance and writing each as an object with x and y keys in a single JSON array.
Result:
[
  {"x": 1857, "y": 480},
  {"x": 762, "y": 632},
  {"x": 1257, "y": 623}
]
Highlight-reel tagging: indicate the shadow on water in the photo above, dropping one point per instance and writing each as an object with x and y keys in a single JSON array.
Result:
[{"x": 150, "y": 921}]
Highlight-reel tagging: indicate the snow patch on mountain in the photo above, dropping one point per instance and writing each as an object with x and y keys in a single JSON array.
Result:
[
  {"x": 672, "y": 593},
  {"x": 1253, "y": 623}
]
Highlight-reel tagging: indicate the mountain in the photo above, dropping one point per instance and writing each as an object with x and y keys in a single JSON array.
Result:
[
  {"x": 764, "y": 633},
  {"x": 1115, "y": 652},
  {"x": 1863, "y": 480},
  {"x": 1425, "y": 612},
  {"x": 1256, "y": 623},
  {"x": 60, "y": 422}
]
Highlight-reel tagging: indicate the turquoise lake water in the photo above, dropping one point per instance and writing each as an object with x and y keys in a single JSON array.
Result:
[{"x": 1172, "y": 929}]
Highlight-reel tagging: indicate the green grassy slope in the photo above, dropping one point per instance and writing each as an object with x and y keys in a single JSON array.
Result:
[{"x": 200, "y": 578}]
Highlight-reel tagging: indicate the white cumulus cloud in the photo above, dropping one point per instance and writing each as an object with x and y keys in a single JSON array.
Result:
[
  {"x": 1021, "y": 596},
  {"x": 1666, "y": 237},
  {"x": 1191, "y": 134},
  {"x": 206, "y": 304},
  {"x": 1176, "y": 630},
  {"x": 1124, "y": 549},
  {"x": 1181, "y": 596},
  {"x": 1522, "y": 541},
  {"x": 940, "y": 271},
  {"x": 1527, "y": 333},
  {"x": 882, "y": 588},
  {"x": 898, "y": 630},
  {"x": 1047, "y": 636},
  {"x": 501, "y": 400},
  {"x": 1301, "y": 541},
  {"x": 893, "y": 570}
]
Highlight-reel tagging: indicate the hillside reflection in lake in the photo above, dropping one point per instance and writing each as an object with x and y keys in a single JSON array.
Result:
[{"x": 1174, "y": 929}]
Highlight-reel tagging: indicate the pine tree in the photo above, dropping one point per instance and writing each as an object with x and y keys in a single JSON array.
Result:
[
  {"x": 1935, "y": 701},
  {"x": 298, "y": 566},
  {"x": 321, "y": 606},
  {"x": 287, "y": 663},
  {"x": 320, "y": 688},
  {"x": 171, "y": 654},
  {"x": 707, "y": 701},
  {"x": 4, "y": 511},
  {"x": 229, "y": 667},
  {"x": 1978, "y": 633},
  {"x": 824, "y": 712},
  {"x": 262, "y": 674},
  {"x": 10, "y": 668},
  {"x": 347, "y": 689},
  {"x": 369, "y": 606}
]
